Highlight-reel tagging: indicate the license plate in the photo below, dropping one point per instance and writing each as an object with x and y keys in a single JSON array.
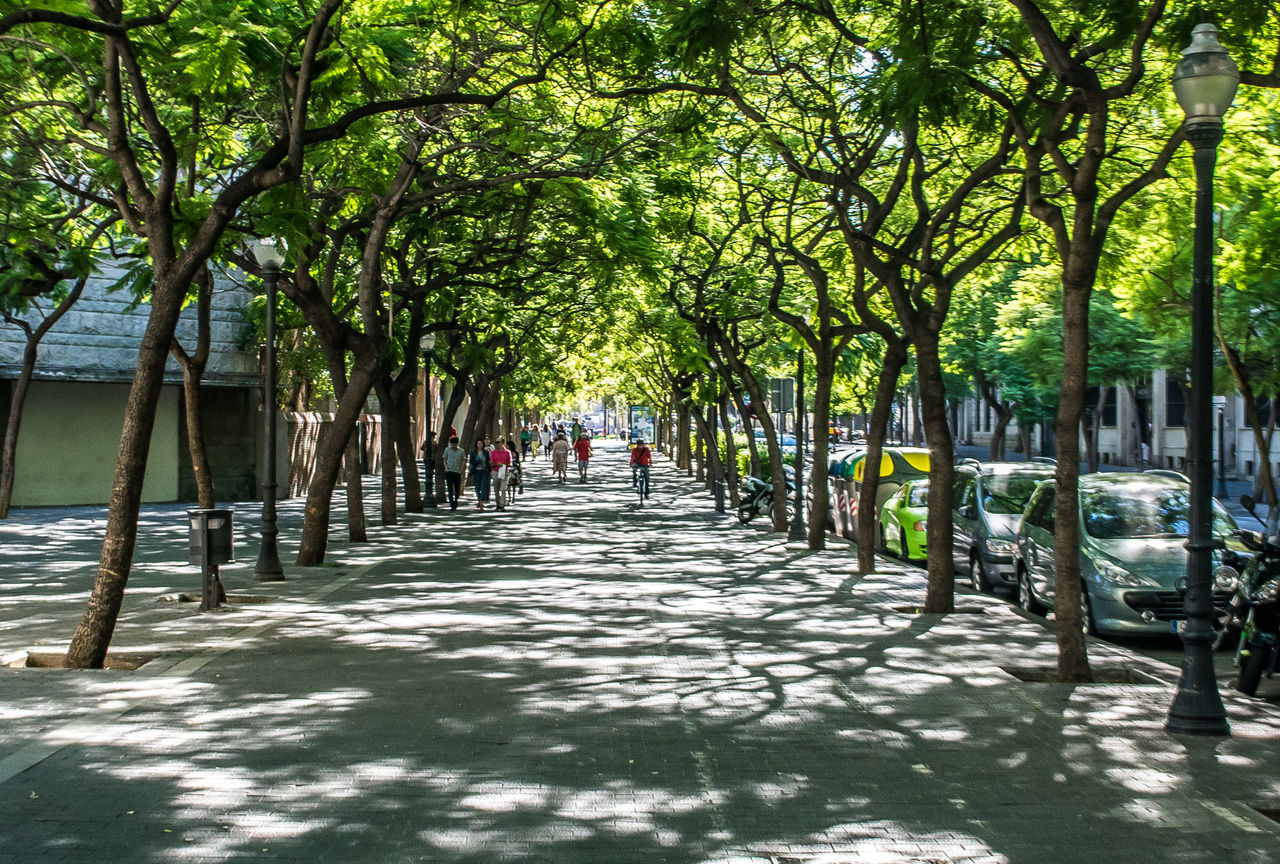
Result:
[{"x": 1177, "y": 626}]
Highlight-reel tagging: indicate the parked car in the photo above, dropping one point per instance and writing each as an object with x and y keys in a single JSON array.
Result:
[
  {"x": 988, "y": 503},
  {"x": 1133, "y": 557},
  {"x": 902, "y": 520},
  {"x": 786, "y": 441}
]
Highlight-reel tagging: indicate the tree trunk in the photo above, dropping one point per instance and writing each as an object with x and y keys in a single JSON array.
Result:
[
  {"x": 193, "y": 366},
  {"x": 699, "y": 449},
  {"x": 1073, "y": 659},
  {"x": 387, "y": 450},
  {"x": 777, "y": 474},
  {"x": 731, "y": 455},
  {"x": 824, "y": 375},
  {"x": 917, "y": 423},
  {"x": 315, "y": 524},
  {"x": 748, "y": 430},
  {"x": 940, "y": 595},
  {"x": 895, "y": 357},
  {"x": 398, "y": 413},
  {"x": 1264, "y": 482},
  {"x": 93, "y": 634},
  {"x": 684, "y": 458},
  {"x": 357, "y": 524},
  {"x": 457, "y": 393},
  {"x": 17, "y": 402},
  {"x": 708, "y": 453}
]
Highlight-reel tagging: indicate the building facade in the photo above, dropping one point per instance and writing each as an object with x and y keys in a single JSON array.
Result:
[{"x": 74, "y": 411}]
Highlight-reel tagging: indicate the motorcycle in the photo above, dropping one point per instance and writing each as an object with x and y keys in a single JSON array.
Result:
[
  {"x": 757, "y": 496},
  {"x": 1254, "y": 610}
]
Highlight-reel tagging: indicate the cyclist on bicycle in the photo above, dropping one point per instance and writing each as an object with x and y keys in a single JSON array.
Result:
[
  {"x": 582, "y": 448},
  {"x": 641, "y": 459},
  {"x": 559, "y": 456}
]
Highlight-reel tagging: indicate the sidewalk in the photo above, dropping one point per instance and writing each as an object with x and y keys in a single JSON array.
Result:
[{"x": 581, "y": 681}]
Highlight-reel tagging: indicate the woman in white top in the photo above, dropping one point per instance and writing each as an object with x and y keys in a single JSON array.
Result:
[{"x": 546, "y": 438}]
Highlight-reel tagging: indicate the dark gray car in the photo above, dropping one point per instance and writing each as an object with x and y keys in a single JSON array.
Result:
[{"x": 989, "y": 500}]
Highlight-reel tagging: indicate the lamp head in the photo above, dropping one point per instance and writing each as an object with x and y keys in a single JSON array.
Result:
[
  {"x": 1206, "y": 78},
  {"x": 266, "y": 252},
  {"x": 427, "y": 342}
]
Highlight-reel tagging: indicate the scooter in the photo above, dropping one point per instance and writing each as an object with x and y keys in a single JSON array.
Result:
[
  {"x": 757, "y": 496},
  {"x": 1255, "y": 607}
]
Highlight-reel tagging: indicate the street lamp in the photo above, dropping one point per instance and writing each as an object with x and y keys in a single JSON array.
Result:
[
  {"x": 268, "y": 568},
  {"x": 428, "y": 343},
  {"x": 797, "y": 530},
  {"x": 1205, "y": 82}
]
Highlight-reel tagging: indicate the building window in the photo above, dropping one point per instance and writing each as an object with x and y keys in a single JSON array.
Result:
[{"x": 1175, "y": 404}]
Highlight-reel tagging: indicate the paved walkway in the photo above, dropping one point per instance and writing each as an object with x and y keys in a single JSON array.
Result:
[{"x": 579, "y": 680}]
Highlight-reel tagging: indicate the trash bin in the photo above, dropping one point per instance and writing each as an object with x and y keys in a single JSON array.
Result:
[{"x": 211, "y": 527}]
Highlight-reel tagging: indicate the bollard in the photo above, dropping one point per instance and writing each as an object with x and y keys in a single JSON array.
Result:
[{"x": 720, "y": 492}]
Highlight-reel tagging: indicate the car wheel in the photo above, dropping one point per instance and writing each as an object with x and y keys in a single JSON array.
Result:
[
  {"x": 884, "y": 544},
  {"x": 904, "y": 550},
  {"x": 1086, "y": 612},
  {"x": 1026, "y": 599},
  {"x": 978, "y": 574}
]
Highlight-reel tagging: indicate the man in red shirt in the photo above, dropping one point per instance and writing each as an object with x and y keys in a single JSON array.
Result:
[
  {"x": 582, "y": 447},
  {"x": 641, "y": 457}
]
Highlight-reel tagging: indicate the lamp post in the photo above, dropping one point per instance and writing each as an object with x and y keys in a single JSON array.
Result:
[
  {"x": 268, "y": 568},
  {"x": 1204, "y": 81},
  {"x": 428, "y": 344},
  {"x": 797, "y": 530}
]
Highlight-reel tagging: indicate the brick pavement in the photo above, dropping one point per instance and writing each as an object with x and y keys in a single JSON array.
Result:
[{"x": 577, "y": 680}]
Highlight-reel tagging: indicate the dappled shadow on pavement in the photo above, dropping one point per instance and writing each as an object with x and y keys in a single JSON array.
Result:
[{"x": 582, "y": 680}]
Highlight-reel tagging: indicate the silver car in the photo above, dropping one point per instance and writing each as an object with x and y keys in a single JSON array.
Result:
[
  {"x": 989, "y": 499},
  {"x": 1133, "y": 557}
]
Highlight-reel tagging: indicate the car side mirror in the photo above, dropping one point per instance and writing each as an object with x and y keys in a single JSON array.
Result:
[{"x": 968, "y": 511}]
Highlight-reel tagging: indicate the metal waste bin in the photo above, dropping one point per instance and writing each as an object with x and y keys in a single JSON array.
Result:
[
  {"x": 209, "y": 544},
  {"x": 211, "y": 529}
]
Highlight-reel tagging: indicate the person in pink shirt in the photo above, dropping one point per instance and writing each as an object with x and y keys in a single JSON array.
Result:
[{"x": 500, "y": 460}]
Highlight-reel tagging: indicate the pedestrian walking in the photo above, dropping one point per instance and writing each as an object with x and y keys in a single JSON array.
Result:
[
  {"x": 428, "y": 456},
  {"x": 560, "y": 456},
  {"x": 453, "y": 467},
  {"x": 480, "y": 473},
  {"x": 525, "y": 441},
  {"x": 582, "y": 453},
  {"x": 500, "y": 465},
  {"x": 546, "y": 439}
]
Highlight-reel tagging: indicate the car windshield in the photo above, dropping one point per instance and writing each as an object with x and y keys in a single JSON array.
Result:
[
  {"x": 918, "y": 495},
  {"x": 1007, "y": 494},
  {"x": 1157, "y": 512}
]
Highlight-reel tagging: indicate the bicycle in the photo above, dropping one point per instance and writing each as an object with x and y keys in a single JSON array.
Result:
[{"x": 642, "y": 483}]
